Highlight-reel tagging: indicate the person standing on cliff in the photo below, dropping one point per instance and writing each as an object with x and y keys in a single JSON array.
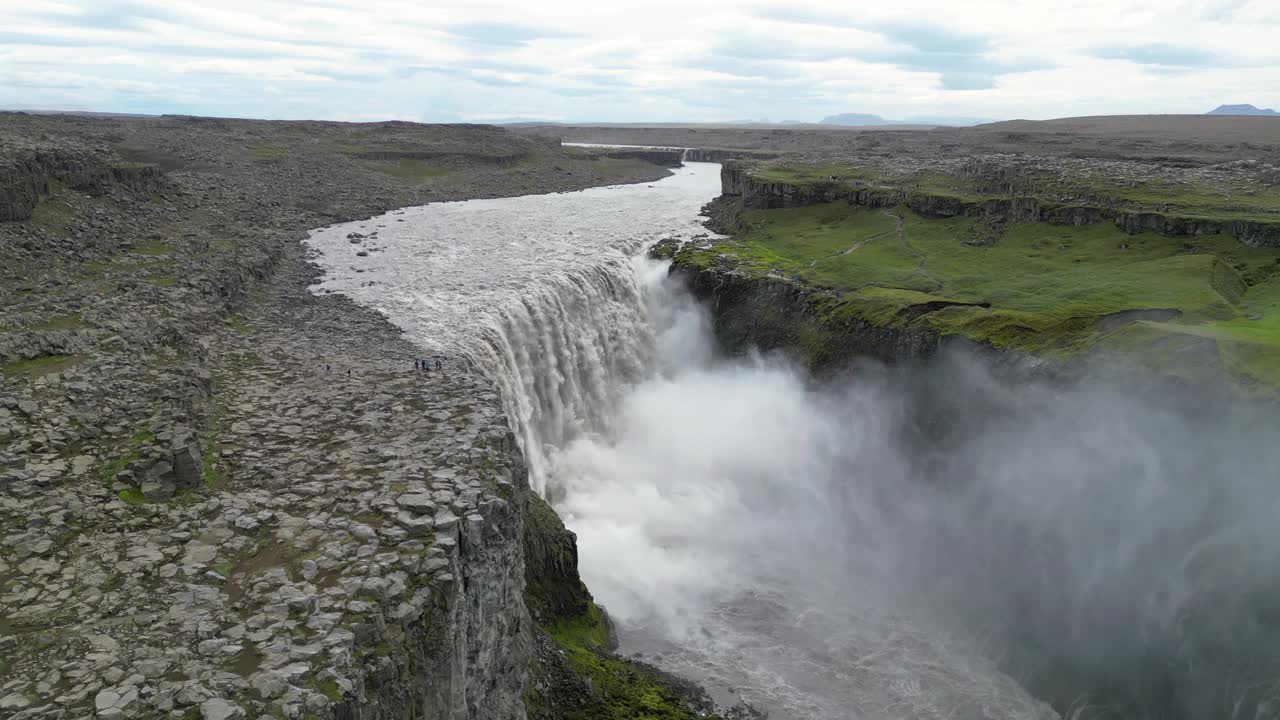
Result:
[
  {"x": 437, "y": 362},
  {"x": 416, "y": 364}
]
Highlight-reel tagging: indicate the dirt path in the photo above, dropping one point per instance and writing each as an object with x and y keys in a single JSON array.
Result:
[{"x": 900, "y": 229}]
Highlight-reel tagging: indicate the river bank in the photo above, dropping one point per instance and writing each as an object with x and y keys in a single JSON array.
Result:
[{"x": 224, "y": 496}]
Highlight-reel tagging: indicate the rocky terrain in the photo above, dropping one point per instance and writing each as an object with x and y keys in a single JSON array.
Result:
[
  {"x": 1186, "y": 140},
  {"x": 220, "y": 495}
]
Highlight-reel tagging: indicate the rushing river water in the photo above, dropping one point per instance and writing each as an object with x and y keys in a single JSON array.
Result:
[{"x": 835, "y": 552}]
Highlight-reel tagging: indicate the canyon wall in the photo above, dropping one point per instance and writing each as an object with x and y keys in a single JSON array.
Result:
[
  {"x": 30, "y": 174},
  {"x": 738, "y": 182}
]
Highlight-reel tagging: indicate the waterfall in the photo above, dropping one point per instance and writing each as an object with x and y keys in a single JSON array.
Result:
[
  {"x": 565, "y": 352},
  {"x": 696, "y": 484}
]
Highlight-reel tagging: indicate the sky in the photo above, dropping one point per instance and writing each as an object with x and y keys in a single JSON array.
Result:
[{"x": 656, "y": 60}]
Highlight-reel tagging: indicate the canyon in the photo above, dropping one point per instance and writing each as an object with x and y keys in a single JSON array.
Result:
[{"x": 386, "y": 420}]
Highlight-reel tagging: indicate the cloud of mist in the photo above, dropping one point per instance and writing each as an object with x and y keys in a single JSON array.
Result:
[{"x": 1110, "y": 544}]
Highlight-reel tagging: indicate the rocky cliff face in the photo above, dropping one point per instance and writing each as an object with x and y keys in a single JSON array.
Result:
[
  {"x": 658, "y": 156},
  {"x": 737, "y": 181},
  {"x": 719, "y": 155},
  {"x": 464, "y": 649},
  {"x": 30, "y": 172},
  {"x": 774, "y": 313}
]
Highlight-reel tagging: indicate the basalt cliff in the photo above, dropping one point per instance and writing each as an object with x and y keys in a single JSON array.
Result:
[{"x": 223, "y": 496}]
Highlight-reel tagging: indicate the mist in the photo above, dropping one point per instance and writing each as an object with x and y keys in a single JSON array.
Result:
[{"x": 930, "y": 540}]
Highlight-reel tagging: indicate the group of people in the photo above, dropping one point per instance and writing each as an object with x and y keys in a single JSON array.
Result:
[{"x": 424, "y": 364}]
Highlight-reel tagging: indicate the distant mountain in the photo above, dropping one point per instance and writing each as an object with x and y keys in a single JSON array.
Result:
[{"x": 1244, "y": 109}]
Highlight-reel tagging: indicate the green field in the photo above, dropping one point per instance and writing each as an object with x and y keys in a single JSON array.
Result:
[
  {"x": 1046, "y": 288},
  {"x": 408, "y": 169}
]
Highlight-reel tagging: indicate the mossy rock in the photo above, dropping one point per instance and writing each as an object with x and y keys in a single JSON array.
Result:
[
  {"x": 575, "y": 677},
  {"x": 553, "y": 588}
]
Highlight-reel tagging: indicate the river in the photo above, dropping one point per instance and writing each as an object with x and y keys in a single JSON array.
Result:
[{"x": 834, "y": 552}]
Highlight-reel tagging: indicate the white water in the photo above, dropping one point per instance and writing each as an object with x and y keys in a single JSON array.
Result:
[{"x": 806, "y": 549}]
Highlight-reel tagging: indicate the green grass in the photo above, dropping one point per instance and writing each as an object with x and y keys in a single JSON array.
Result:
[
  {"x": 38, "y": 367},
  {"x": 100, "y": 268},
  {"x": 408, "y": 169},
  {"x": 808, "y": 173},
  {"x": 131, "y": 451},
  {"x": 132, "y": 496},
  {"x": 52, "y": 214},
  {"x": 153, "y": 247},
  {"x": 1048, "y": 288},
  {"x": 266, "y": 151},
  {"x": 61, "y": 322},
  {"x": 329, "y": 688}
]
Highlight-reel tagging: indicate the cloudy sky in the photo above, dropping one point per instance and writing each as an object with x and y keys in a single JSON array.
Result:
[{"x": 655, "y": 60}]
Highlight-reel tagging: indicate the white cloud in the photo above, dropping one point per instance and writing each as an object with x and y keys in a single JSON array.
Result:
[{"x": 628, "y": 59}]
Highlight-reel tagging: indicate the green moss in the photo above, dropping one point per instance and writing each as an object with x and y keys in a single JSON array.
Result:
[
  {"x": 589, "y": 630},
  {"x": 133, "y": 496},
  {"x": 131, "y": 452},
  {"x": 329, "y": 688},
  {"x": 187, "y": 496},
  {"x": 95, "y": 269},
  {"x": 614, "y": 687},
  {"x": 239, "y": 325},
  {"x": 164, "y": 280},
  {"x": 628, "y": 689},
  {"x": 38, "y": 367}
]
